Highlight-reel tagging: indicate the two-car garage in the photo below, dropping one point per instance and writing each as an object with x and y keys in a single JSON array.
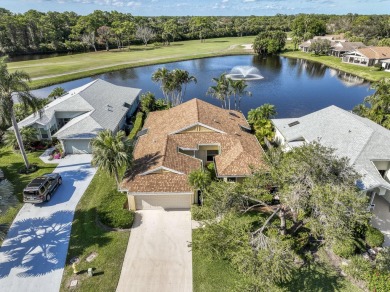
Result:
[
  {"x": 77, "y": 146},
  {"x": 161, "y": 201}
]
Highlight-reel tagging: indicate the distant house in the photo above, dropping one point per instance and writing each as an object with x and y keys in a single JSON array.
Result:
[
  {"x": 386, "y": 64},
  {"x": 78, "y": 116},
  {"x": 188, "y": 137},
  {"x": 304, "y": 47},
  {"x": 365, "y": 143},
  {"x": 339, "y": 48},
  {"x": 368, "y": 56}
]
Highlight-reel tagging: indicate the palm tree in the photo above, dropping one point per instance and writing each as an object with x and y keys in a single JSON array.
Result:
[
  {"x": 199, "y": 180},
  {"x": 238, "y": 89},
  {"x": 14, "y": 85},
  {"x": 57, "y": 92},
  {"x": 221, "y": 90},
  {"x": 162, "y": 76},
  {"x": 264, "y": 112},
  {"x": 180, "y": 78},
  {"x": 112, "y": 152},
  {"x": 171, "y": 83}
]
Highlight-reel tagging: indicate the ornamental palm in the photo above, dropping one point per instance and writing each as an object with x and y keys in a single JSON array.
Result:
[
  {"x": 112, "y": 152},
  {"x": 162, "y": 76},
  {"x": 238, "y": 89},
  {"x": 264, "y": 112},
  {"x": 221, "y": 90},
  {"x": 180, "y": 78},
  {"x": 14, "y": 85}
]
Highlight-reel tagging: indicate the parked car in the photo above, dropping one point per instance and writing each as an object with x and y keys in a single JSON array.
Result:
[{"x": 42, "y": 188}]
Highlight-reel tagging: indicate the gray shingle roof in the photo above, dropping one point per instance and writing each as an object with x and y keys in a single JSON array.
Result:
[
  {"x": 104, "y": 102},
  {"x": 357, "y": 138}
]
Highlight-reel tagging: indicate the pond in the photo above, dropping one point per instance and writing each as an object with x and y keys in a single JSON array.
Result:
[{"x": 296, "y": 87}]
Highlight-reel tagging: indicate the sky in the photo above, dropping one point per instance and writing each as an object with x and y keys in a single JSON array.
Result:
[{"x": 203, "y": 7}]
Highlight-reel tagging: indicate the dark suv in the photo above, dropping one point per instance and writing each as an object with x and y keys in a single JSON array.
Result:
[{"x": 42, "y": 188}]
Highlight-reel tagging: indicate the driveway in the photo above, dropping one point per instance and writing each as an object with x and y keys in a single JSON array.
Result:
[
  {"x": 158, "y": 256},
  {"x": 381, "y": 217},
  {"x": 32, "y": 258}
]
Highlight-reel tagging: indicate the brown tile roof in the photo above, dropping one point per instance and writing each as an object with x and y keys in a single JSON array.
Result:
[
  {"x": 158, "y": 149},
  {"x": 375, "y": 52}
]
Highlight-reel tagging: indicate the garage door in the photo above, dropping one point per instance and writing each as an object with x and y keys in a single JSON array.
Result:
[
  {"x": 77, "y": 146},
  {"x": 174, "y": 201}
]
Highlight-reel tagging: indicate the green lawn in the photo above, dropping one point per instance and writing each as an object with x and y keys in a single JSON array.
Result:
[
  {"x": 368, "y": 73},
  {"x": 59, "y": 69},
  {"x": 10, "y": 163},
  {"x": 87, "y": 237}
]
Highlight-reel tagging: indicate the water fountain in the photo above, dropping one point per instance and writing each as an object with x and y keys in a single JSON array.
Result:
[{"x": 247, "y": 73}]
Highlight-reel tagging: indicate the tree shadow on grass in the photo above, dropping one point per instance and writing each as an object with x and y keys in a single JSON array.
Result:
[{"x": 316, "y": 277}]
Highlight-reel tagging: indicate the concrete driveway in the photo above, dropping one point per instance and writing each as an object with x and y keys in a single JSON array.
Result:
[
  {"x": 158, "y": 256},
  {"x": 32, "y": 258}
]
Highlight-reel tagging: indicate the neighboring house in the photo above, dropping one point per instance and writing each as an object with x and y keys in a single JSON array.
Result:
[
  {"x": 78, "y": 116},
  {"x": 365, "y": 143},
  {"x": 339, "y": 48},
  {"x": 368, "y": 56},
  {"x": 190, "y": 136},
  {"x": 304, "y": 47},
  {"x": 386, "y": 64}
]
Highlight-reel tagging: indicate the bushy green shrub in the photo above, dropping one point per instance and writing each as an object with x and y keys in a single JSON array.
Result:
[
  {"x": 359, "y": 268},
  {"x": 374, "y": 237},
  {"x": 344, "y": 248},
  {"x": 382, "y": 260},
  {"x": 137, "y": 125},
  {"x": 201, "y": 213},
  {"x": 112, "y": 213},
  {"x": 379, "y": 282}
]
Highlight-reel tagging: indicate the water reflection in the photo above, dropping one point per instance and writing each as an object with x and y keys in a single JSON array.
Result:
[{"x": 296, "y": 87}]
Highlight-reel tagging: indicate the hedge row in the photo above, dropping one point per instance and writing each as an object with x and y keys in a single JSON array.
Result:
[
  {"x": 111, "y": 211},
  {"x": 137, "y": 125}
]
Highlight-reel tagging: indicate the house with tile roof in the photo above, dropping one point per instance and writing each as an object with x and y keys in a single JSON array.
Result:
[
  {"x": 365, "y": 143},
  {"x": 76, "y": 117},
  {"x": 368, "y": 56},
  {"x": 339, "y": 48},
  {"x": 182, "y": 139}
]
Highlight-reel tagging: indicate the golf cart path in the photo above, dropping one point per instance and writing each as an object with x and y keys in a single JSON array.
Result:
[{"x": 32, "y": 257}]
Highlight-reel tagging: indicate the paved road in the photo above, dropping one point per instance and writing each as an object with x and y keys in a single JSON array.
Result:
[
  {"x": 32, "y": 258},
  {"x": 158, "y": 257}
]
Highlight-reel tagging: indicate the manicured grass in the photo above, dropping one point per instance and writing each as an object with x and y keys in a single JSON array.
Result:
[
  {"x": 87, "y": 237},
  {"x": 60, "y": 69},
  {"x": 10, "y": 163},
  {"x": 211, "y": 275},
  {"x": 368, "y": 73}
]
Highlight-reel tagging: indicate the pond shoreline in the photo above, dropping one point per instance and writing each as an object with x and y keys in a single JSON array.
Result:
[{"x": 368, "y": 73}]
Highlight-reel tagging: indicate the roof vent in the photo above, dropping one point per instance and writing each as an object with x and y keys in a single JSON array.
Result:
[
  {"x": 233, "y": 114},
  {"x": 141, "y": 133},
  {"x": 109, "y": 108},
  {"x": 293, "y": 124},
  {"x": 215, "y": 120},
  {"x": 125, "y": 104},
  {"x": 246, "y": 129}
]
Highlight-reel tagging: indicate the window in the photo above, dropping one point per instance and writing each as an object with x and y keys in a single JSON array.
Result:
[
  {"x": 53, "y": 129},
  {"x": 211, "y": 154},
  {"x": 44, "y": 134}
]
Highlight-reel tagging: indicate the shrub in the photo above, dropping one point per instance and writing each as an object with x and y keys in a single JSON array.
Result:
[
  {"x": 379, "y": 282},
  {"x": 201, "y": 213},
  {"x": 382, "y": 260},
  {"x": 344, "y": 248},
  {"x": 359, "y": 268},
  {"x": 137, "y": 125},
  {"x": 111, "y": 211},
  {"x": 374, "y": 237}
]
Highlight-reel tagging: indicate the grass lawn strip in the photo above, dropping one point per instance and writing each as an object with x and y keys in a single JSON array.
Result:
[
  {"x": 70, "y": 67},
  {"x": 87, "y": 237},
  {"x": 368, "y": 73},
  {"x": 10, "y": 163}
]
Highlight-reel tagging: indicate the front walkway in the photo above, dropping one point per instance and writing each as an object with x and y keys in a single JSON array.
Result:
[
  {"x": 381, "y": 217},
  {"x": 158, "y": 256},
  {"x": 32, "y": 257}
]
